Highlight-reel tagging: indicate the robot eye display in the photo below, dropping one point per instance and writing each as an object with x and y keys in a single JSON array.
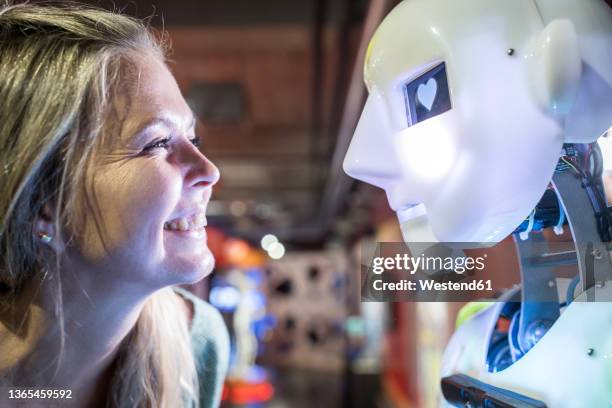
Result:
[{"x": 427, "y": 96}]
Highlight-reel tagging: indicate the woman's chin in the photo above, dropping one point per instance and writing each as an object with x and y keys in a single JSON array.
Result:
[{"x": 189, "y": 268}]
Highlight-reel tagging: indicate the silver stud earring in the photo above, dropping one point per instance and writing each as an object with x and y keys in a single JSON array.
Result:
[{"x": 44, "y": 237}]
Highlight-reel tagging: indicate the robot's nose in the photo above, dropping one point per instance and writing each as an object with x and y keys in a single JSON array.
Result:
[{"x": 371, "y": 157}]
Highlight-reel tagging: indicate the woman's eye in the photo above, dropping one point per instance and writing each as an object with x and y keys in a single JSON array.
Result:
[
  {"x": 196, "y": 141},
  {"x": 159, "y": 144}
]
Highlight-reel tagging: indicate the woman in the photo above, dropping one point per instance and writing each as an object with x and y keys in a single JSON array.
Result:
[{"x": 102, "y": 199}]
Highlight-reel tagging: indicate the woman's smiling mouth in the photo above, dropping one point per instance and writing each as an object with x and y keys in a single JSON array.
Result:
[{"x": 195, "y": 222}]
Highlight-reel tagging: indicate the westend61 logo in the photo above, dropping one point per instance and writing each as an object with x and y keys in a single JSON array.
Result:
[{"x": 424, "y": 263}]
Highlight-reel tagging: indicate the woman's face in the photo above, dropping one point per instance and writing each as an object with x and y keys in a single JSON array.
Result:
[{"x": 147, "y": 188}]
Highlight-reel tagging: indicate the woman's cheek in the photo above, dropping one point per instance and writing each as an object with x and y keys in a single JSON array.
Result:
[
  {"x": 130, "y": 205},
  {"x": 150, "y": 197}
]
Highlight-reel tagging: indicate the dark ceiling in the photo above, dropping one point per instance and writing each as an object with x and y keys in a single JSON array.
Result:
[{"x": 239, "y": 12}]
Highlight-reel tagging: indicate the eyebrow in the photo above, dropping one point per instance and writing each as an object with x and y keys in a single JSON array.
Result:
[{"x": 143, "y": 129}]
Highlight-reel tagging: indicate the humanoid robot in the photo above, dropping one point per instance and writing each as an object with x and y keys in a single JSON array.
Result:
[{"x": 477, "y": 111}]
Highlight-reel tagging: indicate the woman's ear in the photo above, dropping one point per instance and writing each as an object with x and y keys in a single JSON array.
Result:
[
  {"x": 45, "y": 231},
  {"x": 554, "y": 66}
]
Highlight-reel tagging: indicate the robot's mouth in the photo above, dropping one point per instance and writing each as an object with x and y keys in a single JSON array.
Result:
[{"x": 410, "y": 212}]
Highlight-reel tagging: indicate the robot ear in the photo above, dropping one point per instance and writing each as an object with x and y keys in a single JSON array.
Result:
[{"x": 555, "y": 67}]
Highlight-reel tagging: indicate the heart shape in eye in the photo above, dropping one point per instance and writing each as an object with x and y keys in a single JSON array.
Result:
[{"x": 426, "y": 93}]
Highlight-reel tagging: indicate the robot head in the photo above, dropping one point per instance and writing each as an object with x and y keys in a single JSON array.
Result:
[{"x": 470, "y": 103}]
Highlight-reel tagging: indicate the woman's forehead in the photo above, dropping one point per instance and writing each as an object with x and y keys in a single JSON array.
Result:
[{"x": 149, "y": 98}]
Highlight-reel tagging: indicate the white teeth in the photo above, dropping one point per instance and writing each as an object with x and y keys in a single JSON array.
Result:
[
  {"x": 193, "y": 222},
  {"x": 183, "y": 224}
]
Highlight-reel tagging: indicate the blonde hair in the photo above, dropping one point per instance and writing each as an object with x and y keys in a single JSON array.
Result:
[{"x": 61, "y": 64}]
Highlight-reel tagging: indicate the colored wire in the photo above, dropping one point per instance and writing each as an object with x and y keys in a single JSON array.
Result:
[{"x": 576, "y": 169}]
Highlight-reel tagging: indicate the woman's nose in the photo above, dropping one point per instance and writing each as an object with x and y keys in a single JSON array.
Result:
[{"x": 201, "y": 172}]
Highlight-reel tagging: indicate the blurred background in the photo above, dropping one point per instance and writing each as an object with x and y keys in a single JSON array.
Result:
[{"x": 277, "y": 86}]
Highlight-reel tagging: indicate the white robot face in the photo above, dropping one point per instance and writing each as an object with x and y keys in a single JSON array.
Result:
[{"x": 470, "y": 103}]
